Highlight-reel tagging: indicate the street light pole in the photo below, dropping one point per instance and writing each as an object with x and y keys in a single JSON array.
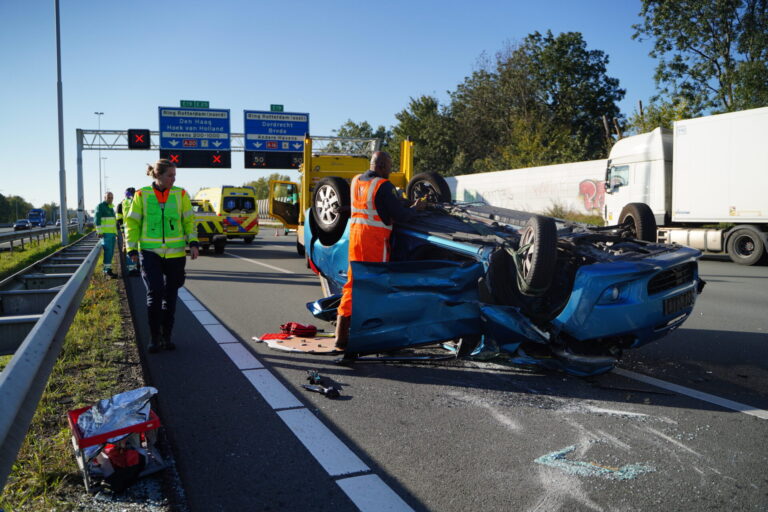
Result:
[
  {"x": 106, "y": 189},
  {"x": 101, "y": 194}
]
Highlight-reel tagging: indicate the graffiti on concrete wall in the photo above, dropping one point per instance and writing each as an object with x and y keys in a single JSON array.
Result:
[{"x": 592, "y": 192}]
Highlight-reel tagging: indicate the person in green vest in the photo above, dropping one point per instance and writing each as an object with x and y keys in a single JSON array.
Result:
[
  {"x": 160, "y": 224},
  {"x": 106, "y": 227},
  {"x": 122, "y": 211}
]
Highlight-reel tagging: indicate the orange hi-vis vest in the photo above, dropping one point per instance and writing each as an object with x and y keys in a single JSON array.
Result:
[{"x": 368, "y": 234}]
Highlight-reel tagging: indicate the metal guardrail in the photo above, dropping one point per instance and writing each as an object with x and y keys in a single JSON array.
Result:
[
  {"x": 37, "y": 306},
  {"x": 30, "y": 234}
]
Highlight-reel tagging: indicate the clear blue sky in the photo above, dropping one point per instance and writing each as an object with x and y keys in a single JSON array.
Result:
[{"x": 336, "y": 60}]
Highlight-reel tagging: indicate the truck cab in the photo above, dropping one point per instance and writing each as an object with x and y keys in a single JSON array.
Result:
[
  {"x": 325, "y": 173},
  {"x": 639, "y": 170}
]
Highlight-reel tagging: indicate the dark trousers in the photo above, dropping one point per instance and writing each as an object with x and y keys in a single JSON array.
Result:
[{"x": 162, "y": 277}]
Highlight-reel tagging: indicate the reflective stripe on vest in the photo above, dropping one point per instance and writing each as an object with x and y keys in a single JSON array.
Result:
[
  {"x": 364, "y": 213},
  {"x": 108, "y": 225}
]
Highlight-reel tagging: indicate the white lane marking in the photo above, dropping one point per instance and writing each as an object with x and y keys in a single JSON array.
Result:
[
  {"x": 194, "y": 305},
  {"x": 220, "y": 333},
  {"x": 706, "y": 397},
  {"x": 669, "y": 439},
  {"x": 323, "y": 444},
  {"x": 240, "y": 355},
  {"x": 205, "y": 318},
  {"x": 276, "y": 395},
  {"x": 284, "y": 271},
  {"x": 370, "y": 494}
]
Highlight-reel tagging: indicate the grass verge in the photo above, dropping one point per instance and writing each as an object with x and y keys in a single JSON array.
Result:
[
  {"x": 18, "y": 259},
  {"x": 99, "y": 359},
  {"x": 561, "y": 212}
]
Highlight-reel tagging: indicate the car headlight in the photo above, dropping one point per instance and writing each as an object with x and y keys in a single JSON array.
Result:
[{"x": 611, "y": 295}]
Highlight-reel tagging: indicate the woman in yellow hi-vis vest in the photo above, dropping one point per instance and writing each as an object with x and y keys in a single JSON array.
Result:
[{"x": 160, "y": 224}]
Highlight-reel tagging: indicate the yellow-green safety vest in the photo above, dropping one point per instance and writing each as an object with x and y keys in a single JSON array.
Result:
[
  {"x": 107, "y": 225},
  {"x": 163, "y": 228}
]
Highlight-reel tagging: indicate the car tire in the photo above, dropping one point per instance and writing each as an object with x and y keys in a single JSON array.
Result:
[
  {"x": 429, "y": 185},
  {"x": 640, "y": 221},
  {"x": 218, "y": 246},
  {"x": 538, "y": 260},
  {"x": 248, "y": 239},
  {"x": 746, "y": 246},
  {"x": 331, "y": 208},
  {"x": 300, "y": 249}
]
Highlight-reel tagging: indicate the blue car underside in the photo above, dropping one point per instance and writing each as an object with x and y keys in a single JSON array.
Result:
[{"x": 455, "y": 274}]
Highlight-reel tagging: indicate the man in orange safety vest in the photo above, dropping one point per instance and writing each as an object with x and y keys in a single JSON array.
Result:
[{"x": 376, "y": 205}]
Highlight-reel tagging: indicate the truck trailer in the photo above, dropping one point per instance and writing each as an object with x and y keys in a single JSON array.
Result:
[{"x": 704, "y": 184}]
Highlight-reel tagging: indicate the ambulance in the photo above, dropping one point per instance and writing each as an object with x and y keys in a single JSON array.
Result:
[{"x": 237, "y": 208}]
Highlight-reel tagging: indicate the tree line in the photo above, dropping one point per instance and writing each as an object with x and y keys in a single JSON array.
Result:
[
  {"x": 13, "y": 208},
  {"x": 548, "y": 99}
]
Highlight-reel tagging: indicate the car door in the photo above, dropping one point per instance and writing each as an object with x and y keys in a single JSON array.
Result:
[
  {"x": 284, "y": 202},
  {"x": 410, "y": 303}
]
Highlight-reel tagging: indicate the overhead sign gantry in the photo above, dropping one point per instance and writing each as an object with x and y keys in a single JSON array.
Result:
[{"x": 195, "y": 137}]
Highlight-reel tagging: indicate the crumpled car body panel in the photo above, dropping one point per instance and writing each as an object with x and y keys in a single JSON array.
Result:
[{"x": 616, "y": 298}]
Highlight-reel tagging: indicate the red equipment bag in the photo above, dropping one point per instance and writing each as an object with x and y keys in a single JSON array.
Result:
[{"x": 297, "y": 329}]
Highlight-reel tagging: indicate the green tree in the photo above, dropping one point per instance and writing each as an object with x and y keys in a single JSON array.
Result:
[
  {"x": 13, "y": 208},
  {"x": 540, "y": 102},
  {"x": 712, "y": 53},
  {"x": 431, "y": 129},
  {"x": 363, "y": 130},
  {"x": 658, "y": 113},
  {"x": 261, "y": 185}
]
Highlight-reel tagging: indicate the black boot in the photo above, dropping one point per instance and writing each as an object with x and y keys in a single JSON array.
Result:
[
  {"x": 154, "y": 344},
  {"x": 166, "y": 342}
]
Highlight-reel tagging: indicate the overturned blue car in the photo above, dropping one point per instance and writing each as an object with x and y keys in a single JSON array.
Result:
[{"x": 548, "y": 291}]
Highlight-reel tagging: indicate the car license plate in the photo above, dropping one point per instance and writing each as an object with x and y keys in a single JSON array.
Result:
[{"x": 677, "y": 303}]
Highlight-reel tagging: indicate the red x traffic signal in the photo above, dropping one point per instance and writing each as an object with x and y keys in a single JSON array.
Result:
[{"x": 138, "y": 139}]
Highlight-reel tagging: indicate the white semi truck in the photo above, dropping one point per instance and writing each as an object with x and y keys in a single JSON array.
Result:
[{"x": 704, "y": 184}]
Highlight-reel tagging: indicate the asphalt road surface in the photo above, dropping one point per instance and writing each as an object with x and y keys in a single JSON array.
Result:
[{"x": 456, "y": 435}]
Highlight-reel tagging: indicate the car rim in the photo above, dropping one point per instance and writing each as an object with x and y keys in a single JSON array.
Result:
[
  {"x": 426, "y": 190},
  {"x": 632, "y": 226},
  {"x": 745, "y": 246},
  {"x": 327, "y": 204},
  {"x": 527, "y": 256}
]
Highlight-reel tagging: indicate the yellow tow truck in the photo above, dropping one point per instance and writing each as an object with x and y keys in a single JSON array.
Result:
[
  {"x": 210, "y": 229},
  {"x": 324, "y": 184}
]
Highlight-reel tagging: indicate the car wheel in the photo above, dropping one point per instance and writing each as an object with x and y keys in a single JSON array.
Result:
[
  {"x": 331, "y": 208},
  {"x": 430, "y": 186},
  {"x": 248, "y": 239},
  {"x": 300, "y": 248},
  {"x": 639, "y": 221},
  {"x": 537, "y": 255},
  {"x": 745, "y": 246}
]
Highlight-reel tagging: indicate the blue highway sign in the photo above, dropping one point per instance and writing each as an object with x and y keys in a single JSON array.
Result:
[
  {"x": 275, "y": 131},
  {"x": 183, "y": 128}
]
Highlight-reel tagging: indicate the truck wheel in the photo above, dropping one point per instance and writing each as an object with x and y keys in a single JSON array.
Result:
[
  {"x": 300, "y": 248},
  {"x": 331, "y": 208},
  {"x": 745, "y": 246},
  {"x": 538, "y": 256},
  {"x": 218, "y": 246},
  {"x": 205, "y": 248},
  {"x": 639, "y": 221},
  {"x": 428, "y": 185},
  {"x": 248, "y": 239}
]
